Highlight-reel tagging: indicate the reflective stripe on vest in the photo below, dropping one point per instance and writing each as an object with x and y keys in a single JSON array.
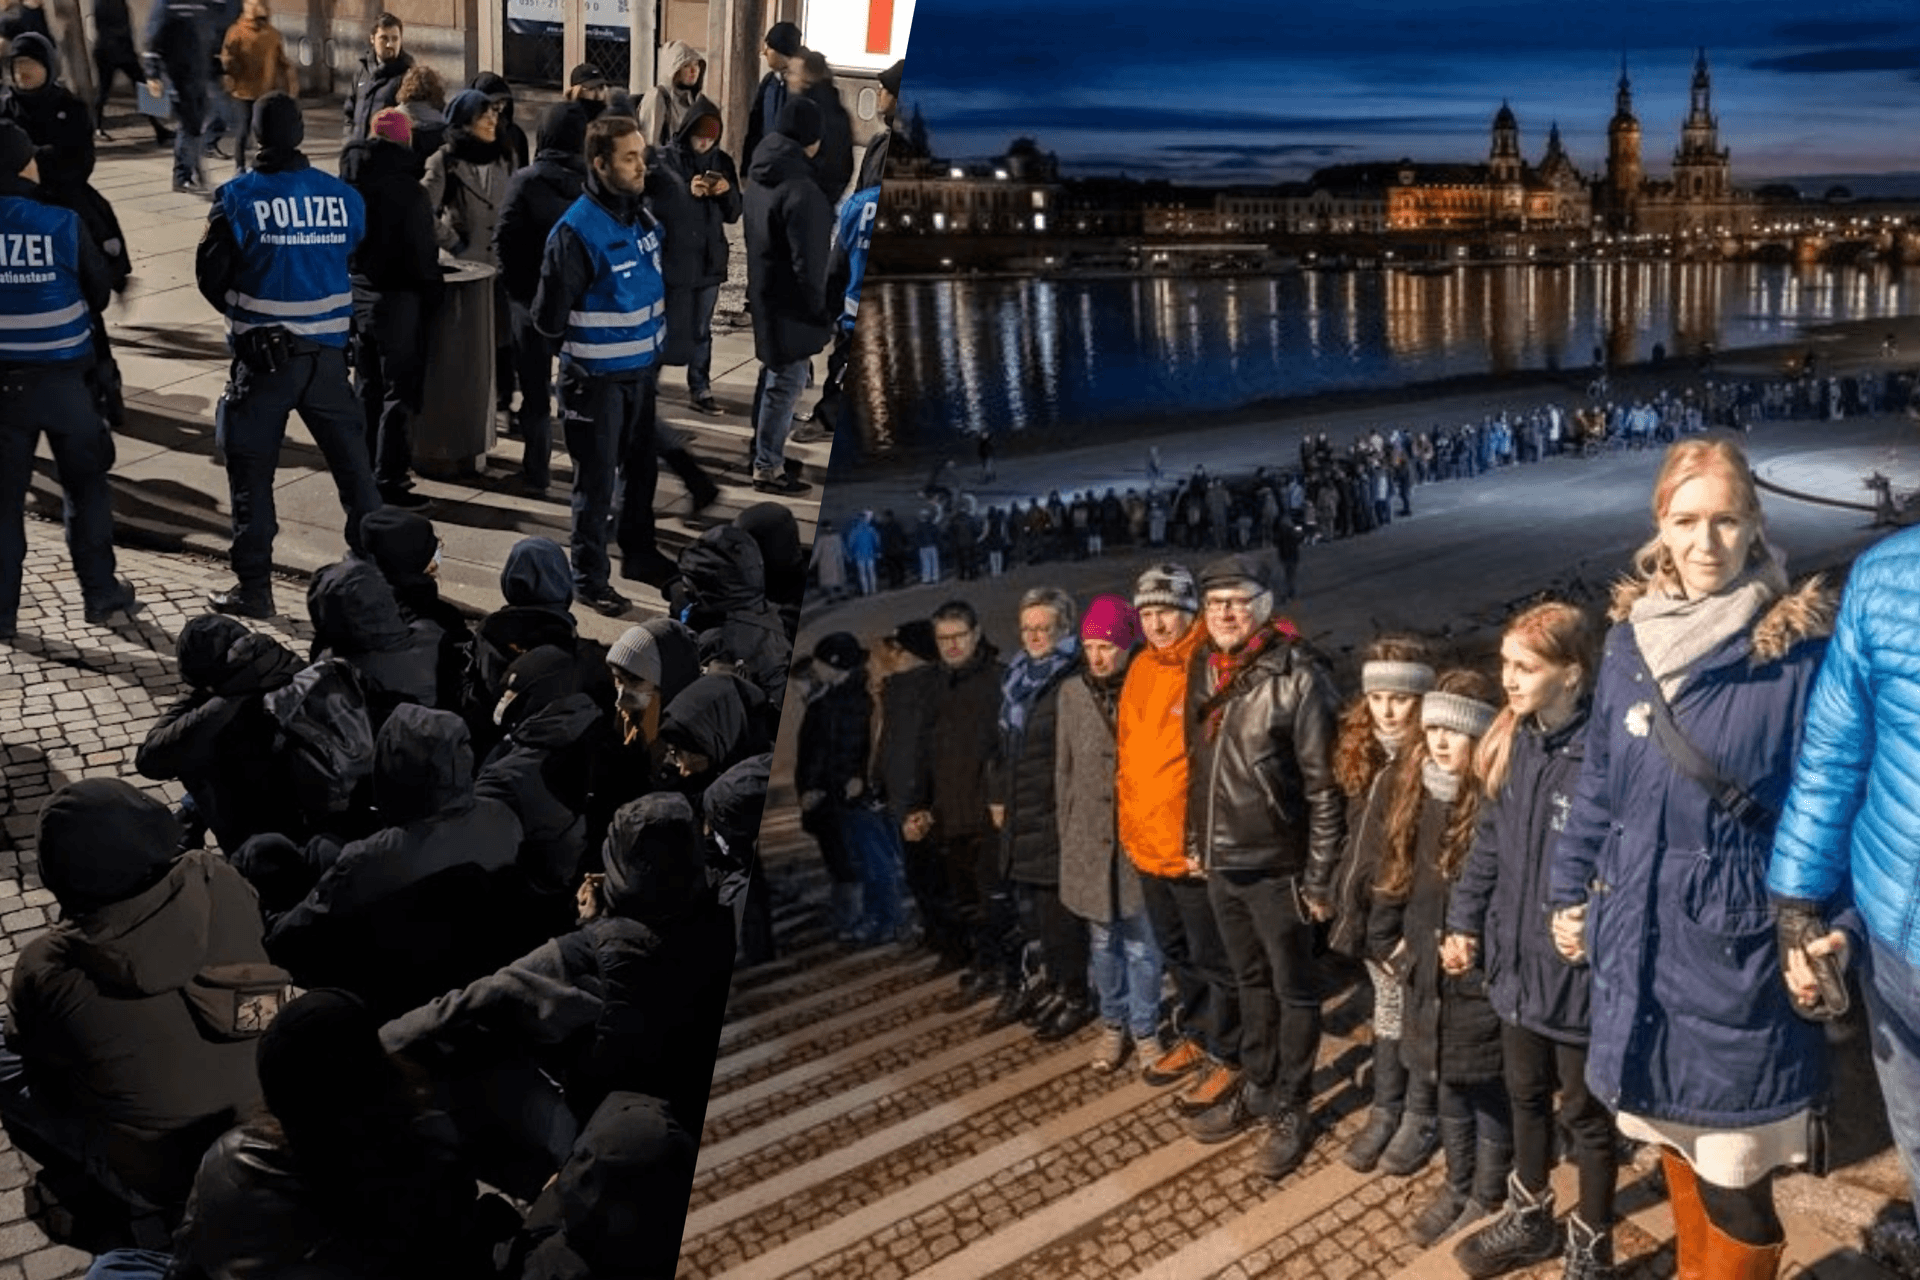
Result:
[
  {"x": 296, "y": 230},
  {"x": 620, "y": 323},
  {"x": 853, "y": 235},
  {"x": 43, "y": 318}
]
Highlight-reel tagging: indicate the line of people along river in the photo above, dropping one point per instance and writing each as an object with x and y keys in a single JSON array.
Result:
[{"x": 1615, "y": 886}]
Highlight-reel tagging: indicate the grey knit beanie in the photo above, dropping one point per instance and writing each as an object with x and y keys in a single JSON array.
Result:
[
  {"x": 1456, "y": 712},
  {"x": 638, "y": 654},
  {"x": 1168, "y": 585}
]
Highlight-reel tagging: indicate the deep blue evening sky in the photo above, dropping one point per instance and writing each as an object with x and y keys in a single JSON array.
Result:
[{"x": 1211, "y": 91}]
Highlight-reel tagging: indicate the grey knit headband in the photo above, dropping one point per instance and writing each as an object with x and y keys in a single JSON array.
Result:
[
  {"x": 1396, "y": 677},
  {"x": 1453, "y": 711}
]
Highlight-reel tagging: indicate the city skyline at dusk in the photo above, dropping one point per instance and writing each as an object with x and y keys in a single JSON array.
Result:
[{"x": 1228, "y": 94}]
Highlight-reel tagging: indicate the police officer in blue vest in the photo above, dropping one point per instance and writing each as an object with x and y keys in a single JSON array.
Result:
[
  {"x": 274, "y": 260},
  {"x": 53, "y": 280},
  {"x": 602, "y": 295}
]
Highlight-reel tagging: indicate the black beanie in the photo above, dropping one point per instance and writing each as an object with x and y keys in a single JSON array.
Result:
[
  {"x": 32, "y": 44},
  {"x": 800, "y": 120},
  {"x": 322, "y": 1057},
  {"x": 890, "y": 78},
  {"x": 784, "y": 38},
  {"x": 564, "y": 129},
  {"x": 277, "y": 122},
  {"x": 16, "y": 148},
  {"x": 400, "y": 543},
  {"x": 203, "y": 646},
  {"x": 536, "y": 679},
  {"x": 916, "y": 637},
  {"x": 102, "y": 841}
]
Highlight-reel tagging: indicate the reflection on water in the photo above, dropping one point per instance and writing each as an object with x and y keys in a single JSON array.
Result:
[{"x": 948, "y": 357}]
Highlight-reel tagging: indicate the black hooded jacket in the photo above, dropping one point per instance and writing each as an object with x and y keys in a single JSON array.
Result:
[
  {"x": 399, "y": 251},
  {"x": 537, "y": 195},
  {"x": 542, "y": 771},
  {"x": 722, "y": 717},
  {"x": 220, "y": 740},
  {"x": 789, "y": 230},
  {"x": 694, "y": 252},
  {"x": 418, "y": 906},
  {"x": 58, "y": 122},
  {"x": 725, "y": 580},
  {"x": 356, "y": 618},
  {"x": 782, "y": 556},
  {"x": 833, "y": 163}
]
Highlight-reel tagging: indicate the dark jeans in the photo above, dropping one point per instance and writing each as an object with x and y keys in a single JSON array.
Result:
[
  {"x": 609, "y": 426},
  {"x": 190, "y": 119},
  {"x": 700, "y": 361},
  {"x": 533, "y": 367},
  {"x": 1208, "y": 1003},
  {"x": 1270, "y": 947},
  {"x": 58, "y": 403},
  {"x": 390, "y": 367},
  {"x": 1476, "y": 1128},
  {"x": 250, "y": 425},
  {"x": 1062, "y": 936},
  {"x": 242, "y": 114},
  {"x": 939, "y": 913},
  {"x": 1535, "y": 1067}
]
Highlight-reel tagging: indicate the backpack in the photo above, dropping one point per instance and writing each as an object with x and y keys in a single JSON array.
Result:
[{"x": 327, "y": 735}]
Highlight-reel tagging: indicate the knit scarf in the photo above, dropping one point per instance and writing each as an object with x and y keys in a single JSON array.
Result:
[
  {"x": 1442, "y": 784},
  {"x": 1106, "y": 694},
  {"x": 1675, "y": 633},
  {"x": 1225, "y": 669},
  {"x": 1027, "y": 677}
]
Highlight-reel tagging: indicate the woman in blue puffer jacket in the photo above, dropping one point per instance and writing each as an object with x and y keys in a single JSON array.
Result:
[{"x": 1662, "y": 883}]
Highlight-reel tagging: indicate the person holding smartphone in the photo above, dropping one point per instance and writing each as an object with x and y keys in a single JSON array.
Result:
[{"x": 695, "y": 190}]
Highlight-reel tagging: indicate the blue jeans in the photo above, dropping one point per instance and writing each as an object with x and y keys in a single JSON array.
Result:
[
  {"x": 781, "y": 386},
  {"x": 59, "y": 404},
  {"x": 874, "y": 845},
  {"x": 1126, "y": 974},
  {"x": 130, "y": 1264},
  {"x": 700, "y": 362},
  {"x": 1893, "y": 1004},
  {"x": 190, "y": 111}
]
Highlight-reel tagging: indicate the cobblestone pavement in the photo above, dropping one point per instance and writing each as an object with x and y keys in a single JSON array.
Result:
[{"x": 899, "y": 1142}]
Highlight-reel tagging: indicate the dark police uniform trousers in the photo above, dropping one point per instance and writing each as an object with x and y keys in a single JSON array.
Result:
[
  {"x": 252, "y": 423},
  {"x": 57, "y": 401},
  {"x": 609, "y": 431}
]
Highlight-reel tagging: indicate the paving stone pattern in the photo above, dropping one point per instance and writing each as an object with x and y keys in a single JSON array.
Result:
[{"x": 744, "y": 1006}]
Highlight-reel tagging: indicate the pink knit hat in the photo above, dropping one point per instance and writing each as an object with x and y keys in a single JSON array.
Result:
[
  {"x": 1112, "y": 619},
  {"x": 394, "y": 125}
]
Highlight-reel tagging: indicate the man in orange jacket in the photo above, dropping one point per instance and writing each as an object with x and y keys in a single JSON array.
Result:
[{"x": 1152, "y": 801}]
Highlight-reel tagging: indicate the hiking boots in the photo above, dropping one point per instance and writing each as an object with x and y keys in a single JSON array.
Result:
[
  {"x": 1523, "y": 1234},
  {"x": 1290, "y": 1132},
  {"x": 1589, "y": 1253},
  {"x": 1413, "y": 1144},
  {"x": 1364, "y": 1152},
  {"x": 1217, "y": 1081},
  {"x": 1159, "y": 1067},
  {"x": 1068, "y": 1017},
  {"x": 1443, "y": 1215},
  {"x": 243, "y": 602},
  {"x": 1225, "y": 1121},
  {"x": 121, "y": 600}
]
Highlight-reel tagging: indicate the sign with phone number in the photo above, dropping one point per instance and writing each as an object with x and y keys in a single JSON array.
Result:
[
  {"x": 606, "y": 19},
  {"x": 855, "y": 35}
]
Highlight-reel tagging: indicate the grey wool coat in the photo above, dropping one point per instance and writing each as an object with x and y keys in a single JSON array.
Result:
[{"x": 1097, "y": 880}]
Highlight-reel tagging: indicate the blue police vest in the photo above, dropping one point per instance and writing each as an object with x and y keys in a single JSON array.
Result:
[
  {"x": 295, "y": 231},
  {"x": 43, "y": 317},
  {"x": 854, "y": 233},
  {"x": 618, "y": 327}
]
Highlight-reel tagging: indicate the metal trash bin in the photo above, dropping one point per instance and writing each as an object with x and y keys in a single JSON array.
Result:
[{"x": 454, "y": 431}]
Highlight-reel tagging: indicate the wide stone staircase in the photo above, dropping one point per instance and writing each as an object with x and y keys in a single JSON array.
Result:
[{"x": 855, "y": 1130}]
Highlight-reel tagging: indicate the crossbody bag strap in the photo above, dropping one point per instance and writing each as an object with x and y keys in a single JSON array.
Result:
[{"x": 1690, "y": 760}]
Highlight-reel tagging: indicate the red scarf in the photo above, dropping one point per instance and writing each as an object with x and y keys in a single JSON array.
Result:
[{"x": 1226, "y": 668}]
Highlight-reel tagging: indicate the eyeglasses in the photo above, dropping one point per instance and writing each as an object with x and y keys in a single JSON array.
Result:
[
  {"x": 951, "y": 637},
  {"x": 1230, "y": 604}
]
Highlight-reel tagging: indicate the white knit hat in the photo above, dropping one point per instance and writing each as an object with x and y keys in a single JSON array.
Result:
[{"x": 637, "y": 653}]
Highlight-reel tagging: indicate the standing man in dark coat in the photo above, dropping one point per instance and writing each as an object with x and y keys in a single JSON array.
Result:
[
  {"x": 536, "y": 198},
  {"x": 601, "y": 290},
  {"x": 789, "y": 227},
  {"x": 114, "y": 55},
  {"x": 53, "y": 117},
  {"x": 809, "y": 77},
  {"x": 903, "y": 773},
  {"x": 397, "y": 287},
  {"x": 381, "y": 71},
  {"x": 695, "y": 192},
  {"x": 180, "y": 44},
  {"x": 873, "y": 161},
  {"x": 830, "y": 767},
  {"x": 782, "y": 45}
]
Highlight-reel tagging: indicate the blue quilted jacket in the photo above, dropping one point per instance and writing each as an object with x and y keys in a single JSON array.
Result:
[{"x": 1855, "y": 802}]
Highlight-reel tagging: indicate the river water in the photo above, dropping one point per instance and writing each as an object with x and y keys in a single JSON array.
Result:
[{"x": 1056, "y": 358}]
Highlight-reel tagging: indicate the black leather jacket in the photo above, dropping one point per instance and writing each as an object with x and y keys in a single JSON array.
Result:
[{"x": 1261, "y": 793}]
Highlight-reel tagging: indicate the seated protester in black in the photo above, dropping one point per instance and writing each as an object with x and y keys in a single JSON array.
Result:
[
  {"x": 725, "y": 583},
  {"x": 347, "y": 1174},
  {"x": 357, "y": 619},
  {"x": 733, "y": 805},
  {"x": 406, "y": 550},
  {"x": 219, "y": 738},
  {"x": 632, "y": 999},
  {"x": 612, "y": 1213},
  {"x": 421, "y": 905},
  {"x": 537, "y": 585},
  {"x": 125, "y": 1073},
  {"x": 650, "y": 664},
  {"x": 542, "y": 770},
  {"x": 784, "y": 558},
  {"x": 715, "y": 723}
]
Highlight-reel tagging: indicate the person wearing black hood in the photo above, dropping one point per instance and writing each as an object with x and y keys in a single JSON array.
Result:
[
  {"x": 45, "y": 355},
  {"x": 418, "y": 906},
  {"x": 631, "y": 999},
  {"x": 536, "y": 198},
  {"x": 695, "y": 192},
  {"x": 357, "y": 619},
  {"x": 128, "y": 1072},
  {"x": 600, "y": 295},
  {"x": 776, "y": 532},
  {"x": 180, "y": 47},
  {"x": 781, "y": 46},
  {"x": 287, "y": 294},
  {"x": 512, "y": 137},
  {"x": 543, "y": 770},
  {"x": 789, "y": 225},
  {"x": 381, "y": 70},
  {"x": 347, "y": 1173},
  {"x": 397, "y": 288},
  {"x": 716, "y": 722},
  {"x": 631, "y": 1155},
  {"x": 405, "y": 549},
  {"x": 724, "y": 577},
  {"x": 219, "y": 739}
]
